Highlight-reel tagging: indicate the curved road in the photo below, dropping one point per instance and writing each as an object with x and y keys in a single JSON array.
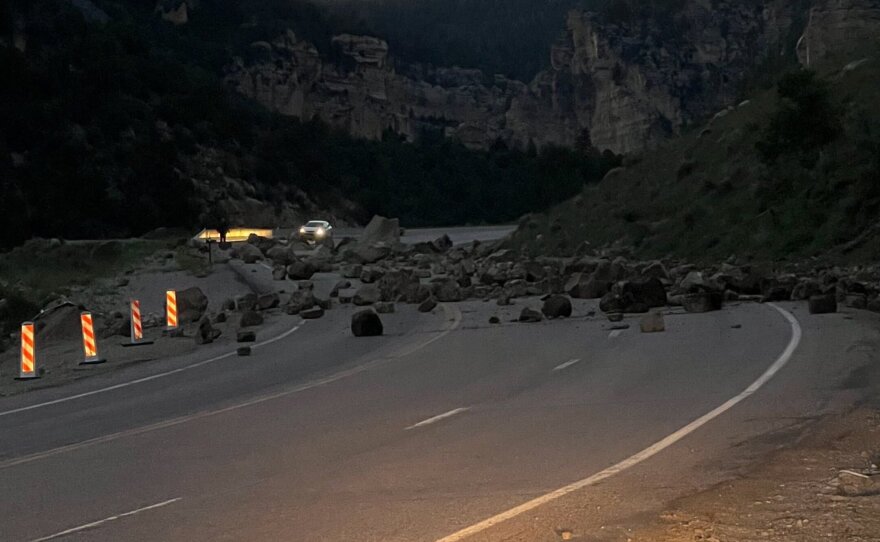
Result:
[{"x": 442, "y": 423}]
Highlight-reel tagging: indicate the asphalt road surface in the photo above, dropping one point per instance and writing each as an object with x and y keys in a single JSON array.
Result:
[{"x": 442, "y": 423}]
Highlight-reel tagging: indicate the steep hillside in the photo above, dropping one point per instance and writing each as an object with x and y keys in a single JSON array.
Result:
[
  {"x": 792, "y": 173},
  {"x": 115, "y": 119}
]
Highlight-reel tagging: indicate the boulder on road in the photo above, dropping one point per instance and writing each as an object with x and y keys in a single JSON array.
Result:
[
  {"x": 246, "y": 336},
  {"x": 530, "y": 316},
  {"x": 191, "y": 304},
  {"x": 557, "y": 306},
  {"x": 246, "y": 302},
  {"x": 312, "y": 314},
  {"x": 653, "y": 322},
  {"x": 700, "y": 302},
  {"x": 634, "y": 297},
  {"x": 367, "y": 294},
  {"x": 340, "y": 285},
  {"x": 384, "y": 307},
  {"x": 279, "y": 272},
  {"x": 300, "y": 300},
  {"x": 268, "y": 301},
  {"x": 447, "y": 291},
  {"x": 250, "y": 319},
  {"x": 366, "y": 324},
  {"x": 352, "y": 271},
  {"x": 417, "y": 293},
  {"x": 248, "y": 253},
  {"x": 442, "y": 243},
  {"x": 381, "y": 230},
  {"x": 371, "y": 274},
  {"x": 823, "y": 304},
  {"x": 206, "y": 332},
  {"x": 428, "y": 305},
  {"x": 281, "y": 255},
  {"x": 583, "y": 286},
  {"x": 300, "y": 271}
]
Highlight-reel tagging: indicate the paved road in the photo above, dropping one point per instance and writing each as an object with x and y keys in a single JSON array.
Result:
[
  {"x": 459, "y": 235},
  {"x": 438, "y": 425}
]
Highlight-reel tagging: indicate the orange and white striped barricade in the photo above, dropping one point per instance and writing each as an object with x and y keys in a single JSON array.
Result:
[
  {"x": 90, "y": 342},
  {"x": 28, "y": 368},
  {"x": 170, "y": 310},
  {"x": 137, "y": 326}
]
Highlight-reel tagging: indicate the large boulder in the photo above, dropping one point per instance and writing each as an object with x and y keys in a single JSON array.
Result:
[
  {"x": 447, "y": 291},
  {"x": 823, "y": 304},
  {"x": 394, "y": 284},
  {"x": 367, "y": 294},
  {"x": 381, "y": 230},
  {"x": 281, "y": 255},
  {"x": 191, "y": 304},
  {"x": 366, "y": 324},
  {"x": 699, "y": 302},
  {"x": 206, "y": 333},
  {"x": 557, "y": 306},
  {"x": 428, "y": 304},
  {"x": 300, "y": 270},
  {"x": 634, "y": 296},
  {"x": 583, "y": 286},
  {"x": 250, "y": 319},
  {"x": 365, "y": 254},
  {"x": 247, "y": 252},
  {"x": 268, "y": 301},
  {"x": 300, "y": 300},
  {"x": 442, "y": 243},
  {"x": 530, "y": 316}
]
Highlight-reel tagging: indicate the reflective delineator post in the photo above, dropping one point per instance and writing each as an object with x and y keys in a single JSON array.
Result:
[
  {"x": 171, "y": 309},
  {"x": 137, "y": 326},
  {"x": 28, "y": 367},
  {"x": 90, "y": 343}
]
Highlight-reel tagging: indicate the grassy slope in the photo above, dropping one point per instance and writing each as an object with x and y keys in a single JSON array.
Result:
[{"x": 707, "y": 197}]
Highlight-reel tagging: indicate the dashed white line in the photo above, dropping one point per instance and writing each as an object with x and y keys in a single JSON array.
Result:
[
  {"x": 437, "y": 418},
  {"x": 615, "y": 334},
  {"x": 566, "y": 365},
  {"x": 650, "y": 451},
  {"x": 100, "y": 522}
]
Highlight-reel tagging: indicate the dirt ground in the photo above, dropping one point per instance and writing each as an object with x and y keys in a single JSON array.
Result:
[{"x": 796, "y": 495}]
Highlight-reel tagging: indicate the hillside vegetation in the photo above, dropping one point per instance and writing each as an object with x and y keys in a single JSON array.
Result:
[
  {"x": 792, "y": 173},
  {"x": 114, "y": 122}
]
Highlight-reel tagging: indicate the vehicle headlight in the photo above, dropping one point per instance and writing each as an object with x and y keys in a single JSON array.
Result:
[
  {"x": 302, "y": 229},
  {"x": 320, "y": 232}
]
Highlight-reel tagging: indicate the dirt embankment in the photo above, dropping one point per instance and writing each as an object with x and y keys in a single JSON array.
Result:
[{"x": 825, "y": 488}]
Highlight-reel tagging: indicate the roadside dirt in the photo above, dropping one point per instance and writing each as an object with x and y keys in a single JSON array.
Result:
[{"x": 796, "y": 495}]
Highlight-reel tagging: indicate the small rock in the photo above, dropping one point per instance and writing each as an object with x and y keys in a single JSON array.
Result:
[
  {"x": 428, "y": 305},
  {"x": 206, "y": 332},
  {"x": 268, "y": 301},
  {"x": 312, "y": 314},
  {"x": 494, "y": 320},
  {"x": 246, "y": 336},
  {"x": 530, "y": 316},
  {"x": 615, "y": 317},
  {"x": 243, "y": 350},
  {"x": 385, "y": 308},
  {"x": 220, "y": 318}
]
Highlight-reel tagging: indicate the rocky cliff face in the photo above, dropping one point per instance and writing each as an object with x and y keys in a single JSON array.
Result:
[
  {"x": 839, "y": 31},
  {"x": 622, "y": 85}
]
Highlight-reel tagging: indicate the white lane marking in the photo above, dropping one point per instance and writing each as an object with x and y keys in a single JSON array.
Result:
[
  {"x": 456, "y": 321},
  {"x": 615, "y": 334},
  {"x": 566, "y": 365},
  {"x": 148, "y": 378},
  {"x": 100, "y": 522},
  {"x": 267, "y": 266},
  {"x": 437, "y": 418},
  {"x": 652, "y": 450}
]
